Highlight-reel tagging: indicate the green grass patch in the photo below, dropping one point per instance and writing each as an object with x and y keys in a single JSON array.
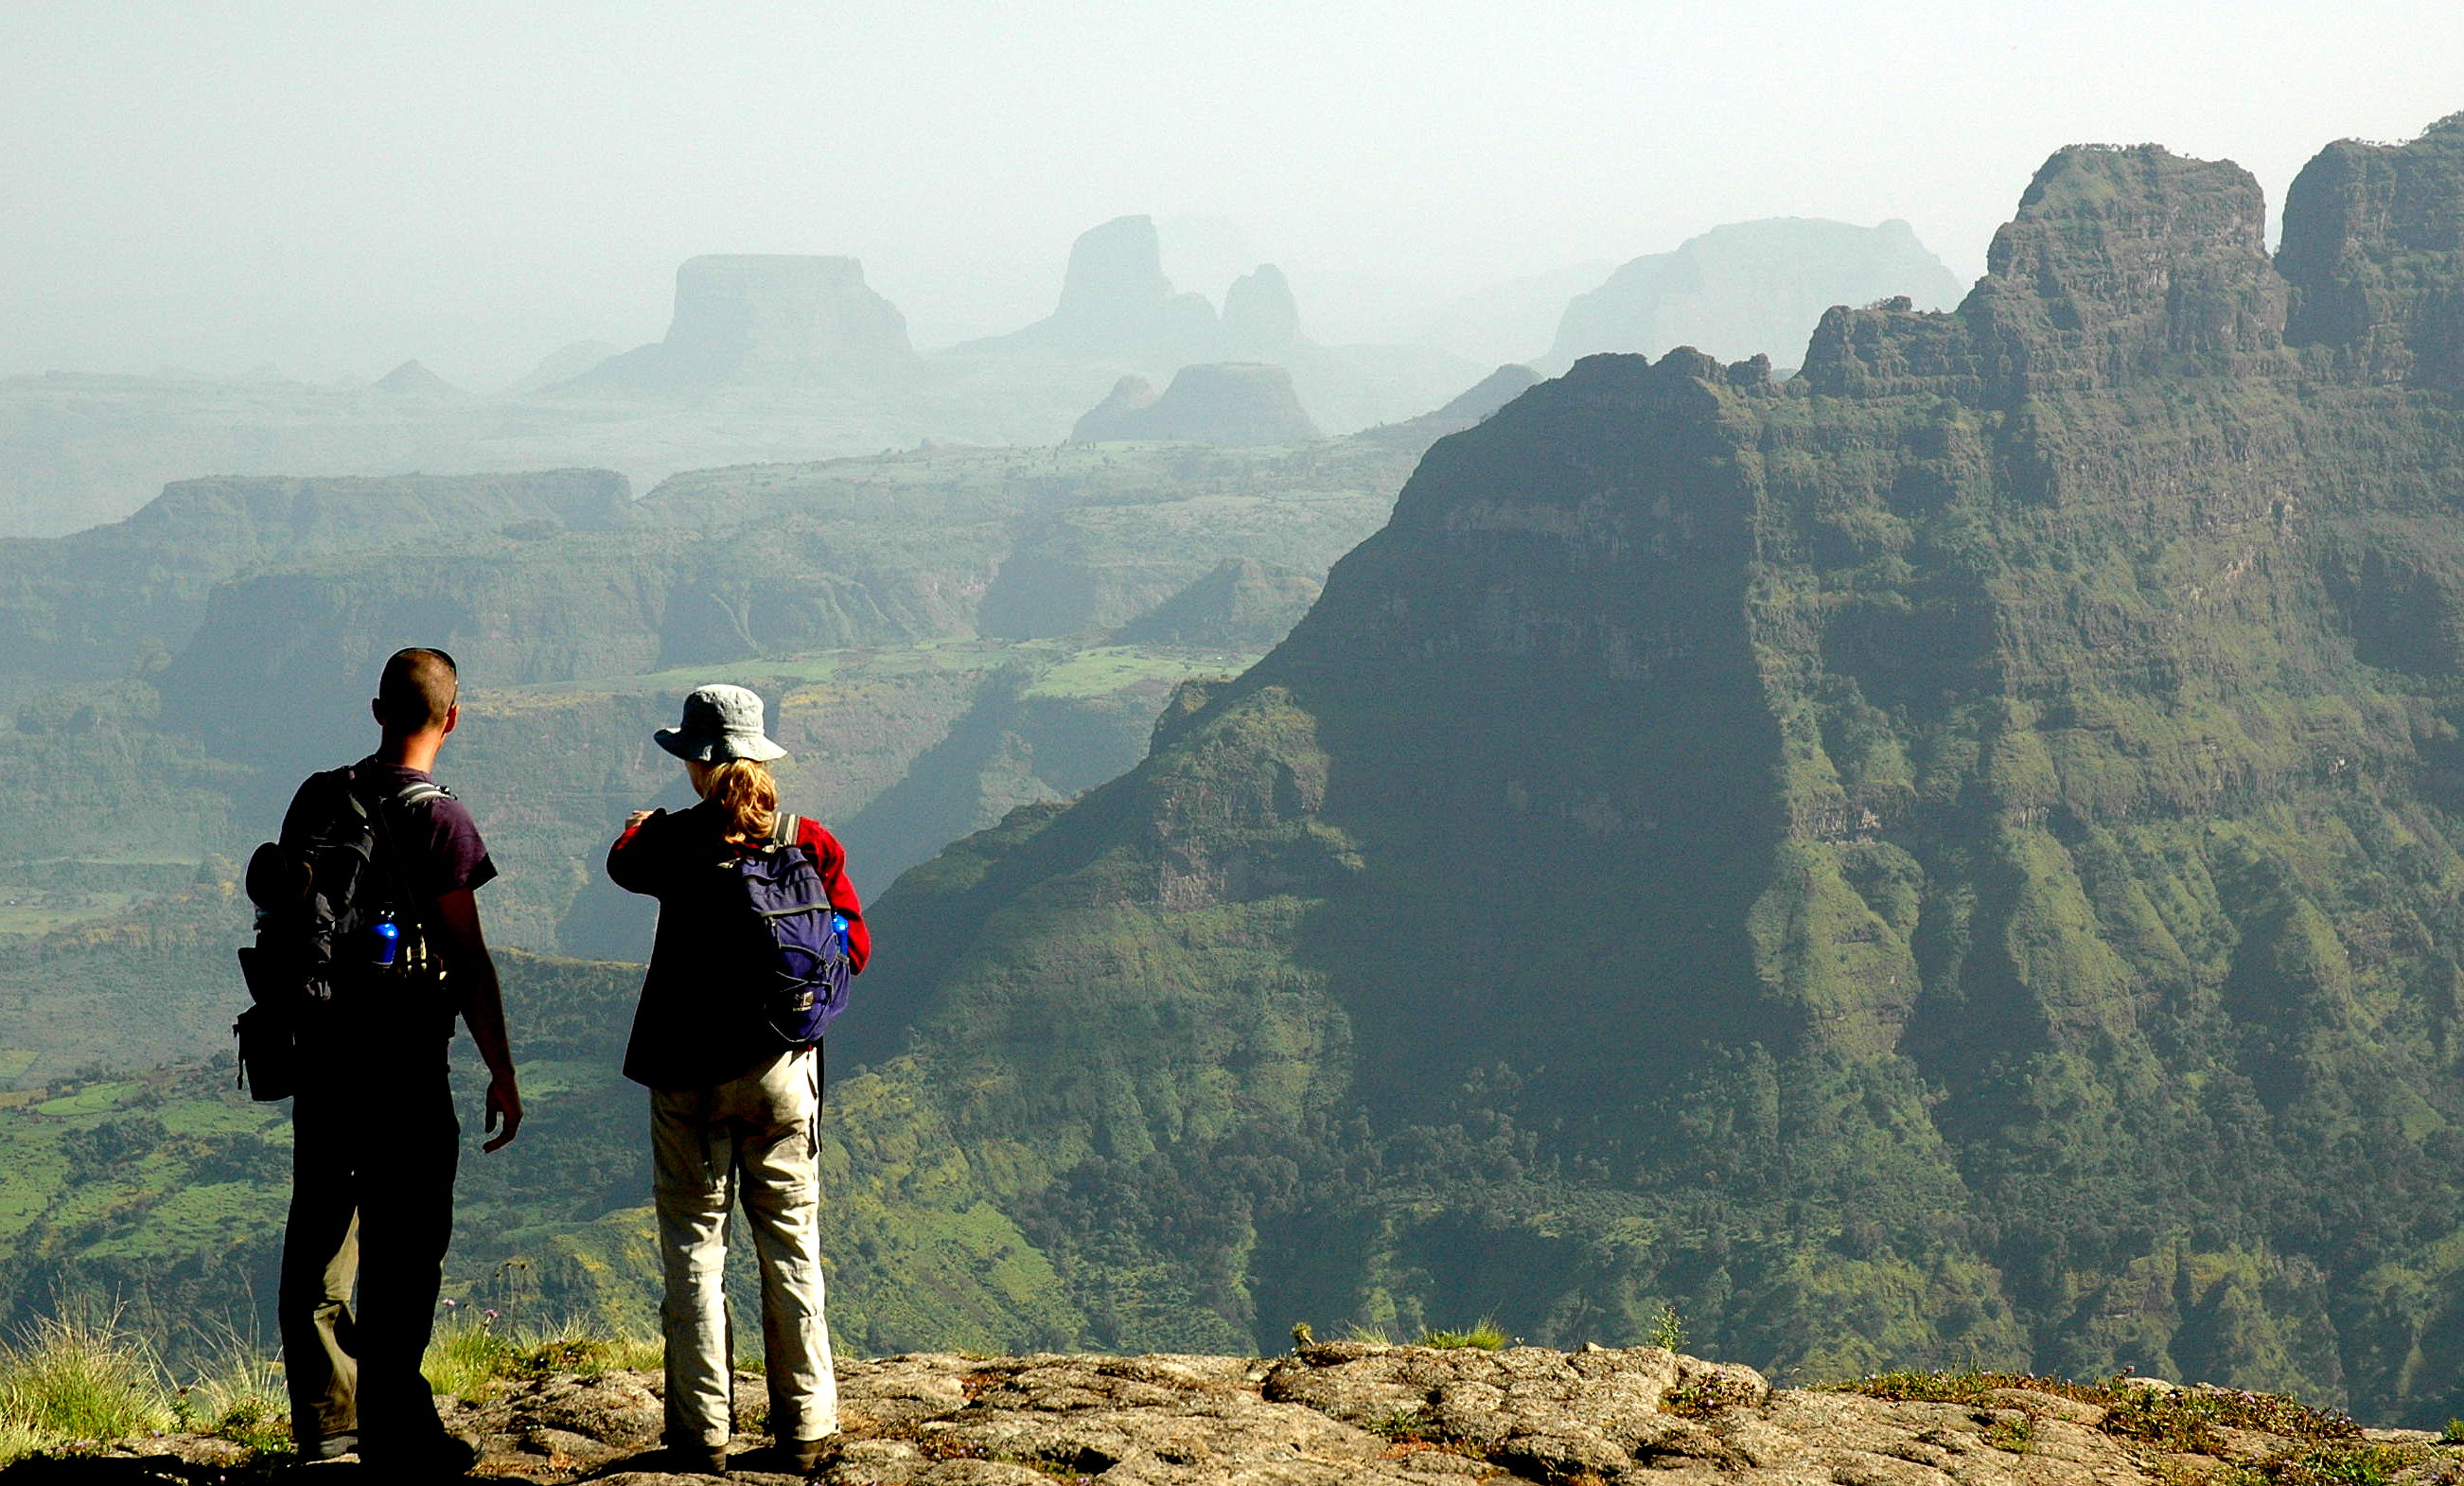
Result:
[
  {"x": 57, "y": 911},
  {"x": 94, "y": 1098},
  {"x": 1107, "y": 669},
  {"x": 1483, "y": 1336},
  {"x": 239, "y": 1398},
  {"x": 2015, "y": 1433},
  {"x": 2182, "y": 1421},
  {"x": 1709, "y": 1394},
  {"x": 2347, "y": 1465},
  {"x": 467, "y": 1358},
  {"x": 76, "y": 1377}
]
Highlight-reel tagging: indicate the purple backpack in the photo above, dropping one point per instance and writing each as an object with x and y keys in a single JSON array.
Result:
[{"x": 801, "y": 966}]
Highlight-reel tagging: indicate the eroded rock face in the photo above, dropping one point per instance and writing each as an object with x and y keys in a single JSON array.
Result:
[
  {"x": 2373, "y": 249},
  {"x": 1333, "y": 1414}
]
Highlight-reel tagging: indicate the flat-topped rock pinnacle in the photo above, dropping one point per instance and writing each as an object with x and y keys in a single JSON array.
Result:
[{"x": 764, "y": 319}]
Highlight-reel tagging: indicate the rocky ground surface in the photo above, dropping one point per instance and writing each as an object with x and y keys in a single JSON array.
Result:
[{"x": 1356, "y": 1412}]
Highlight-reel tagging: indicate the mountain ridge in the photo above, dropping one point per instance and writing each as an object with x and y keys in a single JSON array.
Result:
[{"x": 1835, "y": 834}]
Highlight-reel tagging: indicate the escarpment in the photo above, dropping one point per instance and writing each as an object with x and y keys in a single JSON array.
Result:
[{"x": 1948, "y": 855}]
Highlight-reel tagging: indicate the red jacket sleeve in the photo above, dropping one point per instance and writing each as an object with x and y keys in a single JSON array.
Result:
[
  {"x": 830, "y": 858},
  {"x": 634, "y": 860}
]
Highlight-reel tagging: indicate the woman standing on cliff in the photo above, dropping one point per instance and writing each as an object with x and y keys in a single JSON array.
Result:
[{"x": 733, "y": 1111}]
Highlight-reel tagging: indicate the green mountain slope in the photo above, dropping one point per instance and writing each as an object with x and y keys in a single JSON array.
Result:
[{"x": 1949, "y": 857}]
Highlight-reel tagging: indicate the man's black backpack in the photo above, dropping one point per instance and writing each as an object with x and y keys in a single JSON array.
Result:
[{"x": 334, "y": 922}]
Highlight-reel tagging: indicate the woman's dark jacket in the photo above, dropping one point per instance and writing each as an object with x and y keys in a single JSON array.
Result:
[{"x": 690, "y": 1030}]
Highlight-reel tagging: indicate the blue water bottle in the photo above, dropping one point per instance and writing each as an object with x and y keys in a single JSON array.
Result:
[
  {"x": 388, "y": 938},
  {"x": 839, "y": 927}
]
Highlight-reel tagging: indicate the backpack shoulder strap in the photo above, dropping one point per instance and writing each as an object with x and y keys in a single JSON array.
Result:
[
  {"x": 784, "y": 828},
  {"x": 416, "y": 791}
]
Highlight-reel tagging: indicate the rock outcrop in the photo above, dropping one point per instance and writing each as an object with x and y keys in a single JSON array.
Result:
[
  {"x": 1360, "y": 1414},
  {"x": 1262, "y": 322},
  {"x": 764, "y": 319},
  {"x": 1221, "y": 402},
  {"x": 1750, "y": 288},
  {"x": 2373, "y": 249}
]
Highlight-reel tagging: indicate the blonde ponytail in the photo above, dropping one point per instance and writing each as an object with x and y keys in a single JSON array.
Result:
[{"x": 749, "y": 795}]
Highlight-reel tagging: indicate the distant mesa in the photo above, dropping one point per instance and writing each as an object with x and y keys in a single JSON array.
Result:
[
  {"x": 564, "y": 363},
  {"x": 1749, "y": 288},
  {"x": 764, "y": 319},
  {"x": 1215, "y": 402},
  {"x": 412, "y": 378},
  {"x": 1243, "y": 603}
]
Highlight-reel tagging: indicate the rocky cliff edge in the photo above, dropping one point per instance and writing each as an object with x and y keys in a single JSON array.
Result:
[{"x": 1356, "y": 1412}]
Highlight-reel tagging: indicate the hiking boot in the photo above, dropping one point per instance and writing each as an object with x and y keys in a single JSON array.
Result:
[
  {"x": 689, "y": 1458},
  {"x": 804, "y": 1455},
  {"x": 333, "y": 1447},
  {"x": 433, "y": 1457}
]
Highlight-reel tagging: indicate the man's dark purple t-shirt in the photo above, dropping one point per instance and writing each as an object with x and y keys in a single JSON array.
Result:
[
  {"x": 438, "y": 849},
  {"x": 440, "y": 845}
]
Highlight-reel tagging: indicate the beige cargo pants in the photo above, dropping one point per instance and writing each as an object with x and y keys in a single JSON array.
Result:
[{"x": 753, "y": 1137}]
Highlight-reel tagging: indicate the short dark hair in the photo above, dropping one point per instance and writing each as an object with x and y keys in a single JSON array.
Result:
[{"x": 418, "y": 686}]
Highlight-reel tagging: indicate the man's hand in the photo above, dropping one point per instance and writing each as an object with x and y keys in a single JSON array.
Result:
[
  {"x": 505, "y": 1107},
  {"x": 483, "y": 1010}
]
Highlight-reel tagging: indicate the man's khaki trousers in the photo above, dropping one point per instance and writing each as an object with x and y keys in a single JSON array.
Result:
[{"x": 751, "y": 1136}]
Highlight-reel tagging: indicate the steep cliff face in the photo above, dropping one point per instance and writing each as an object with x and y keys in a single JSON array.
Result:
[
  {"x": 135, "y": 591},
  {"x": 764, "y": 319},
  {"x": 2377, "y": 258},
  {"x": 1953, "y": 856}
]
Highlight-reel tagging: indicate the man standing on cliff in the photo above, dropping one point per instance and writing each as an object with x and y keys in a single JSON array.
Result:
[{"x": 375, "y": 1138}]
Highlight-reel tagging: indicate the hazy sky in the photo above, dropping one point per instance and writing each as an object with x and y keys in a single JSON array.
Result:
[{"x": 336, "y": 186}]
